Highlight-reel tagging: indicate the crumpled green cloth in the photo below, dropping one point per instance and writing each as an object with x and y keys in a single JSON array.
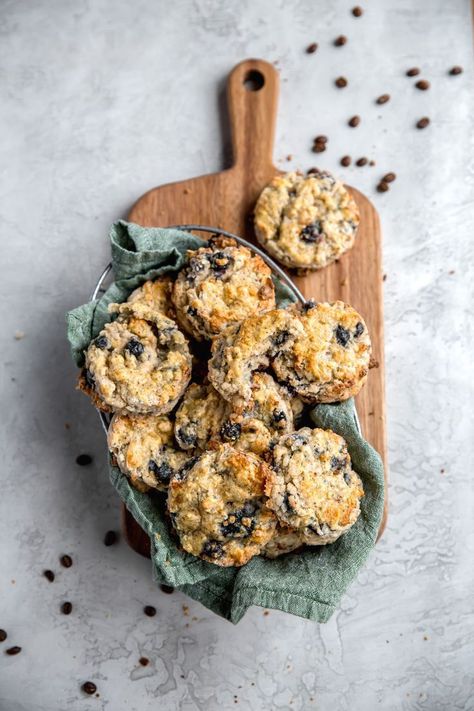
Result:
[{"x": 310, "y": 583}]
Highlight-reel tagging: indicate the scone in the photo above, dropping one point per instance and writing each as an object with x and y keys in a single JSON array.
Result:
[
  {"x": 312, "y": 488},
  {"x": 284, "y": 540},
  {"x": 240, "y": 350},
  {"x": 306, "y": 222},
  {"x": 218, "y": 508},
  {"x": 260, "y": 422},
  {"x": 199, "y": 416},
  {"x": 145, "y": 450},
  {"x": 139, "y": 363},
  {"x": 220, "y": 285},
  {"x": 156, "y": 295},
  {"x": 330, "y": 361}
]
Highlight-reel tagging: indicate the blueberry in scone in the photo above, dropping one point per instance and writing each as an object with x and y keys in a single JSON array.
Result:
[
  {"x": 139, "y": 363},
  {"x": 220, "y": 285},
  {"x": 312, "y": 487},
  {"x": 329, "y": 362},
  {"x": 145, "y": 449},
  {"x": 199, "y": 416},
  {"x": 218, "y": 507},
  {"x": 252, "y": 345},
  {"x": 156, "y": 295},
  {"x": 306, "y": 222}
]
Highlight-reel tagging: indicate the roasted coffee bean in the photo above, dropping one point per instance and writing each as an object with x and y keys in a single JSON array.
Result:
[
  {"x": 89, "y": 687},
  {"x": 340, "y": 41},
  {"x": 134, "y": 347},
  {"x": 110, "y": 538},
  {"x": 321, "y": 139},
  {"x": 311, "y": 49},
  {"x": 3, "y": 635},
  {"x": 49, "y": 575},
  {"x": 163, "y": 471},
  {"x": 346, "y": 161},
  {"x": 423, "y": 122},
  {"x": 413, "y": 72},
  {"x": 66, "y": 608},
  {"x": 354, "y": 121},
  {"x": 383, "y": 187},
  {"x": 312, "y": 232},
  {"x": 84, "y": 460},
  {"x": 66, "y": 561},
  {"x": 342, "y": 335},
  {"x": 230, "y": 431},
  {"x": 359, "y": 330},
  {"x": 383, "y": 99},
  {"x": 212, "y": 549},
  {"x": 360, "y": 162},
  {"x": 11, "y": 651},
  {"x": 149, "y": 610},
  {"x": 101, "y": 342},
  {"x": 423, "y": 85},
  {"x": 166, "y": 589},
  {"x": 144, "y": 661},
  {"x": 454, "y": 71},
  {"x": 357, "y": 11},
  {"x": 319, "y": 148},
  {"x": 312, "y": 171},
  {"x": 389, "y": 178},
  {"x": 341, "y": 82}
]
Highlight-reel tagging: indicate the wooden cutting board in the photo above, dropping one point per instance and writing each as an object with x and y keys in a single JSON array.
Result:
[{"x": 226, "y": 200}]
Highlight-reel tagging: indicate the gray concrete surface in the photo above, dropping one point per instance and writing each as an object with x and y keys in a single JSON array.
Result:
[{"x": 99, "y": 102}]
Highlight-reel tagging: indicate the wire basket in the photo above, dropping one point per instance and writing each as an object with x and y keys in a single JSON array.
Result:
[{"x": 105, "y": 277}]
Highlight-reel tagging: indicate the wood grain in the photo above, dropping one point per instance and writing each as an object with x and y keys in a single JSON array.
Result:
[{"x": 226, "y": 200}]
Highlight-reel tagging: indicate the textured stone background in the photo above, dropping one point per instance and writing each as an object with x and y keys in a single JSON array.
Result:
[{"x": 99, "y": 102}]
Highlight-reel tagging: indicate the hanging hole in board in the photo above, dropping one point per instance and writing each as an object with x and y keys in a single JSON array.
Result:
[{"x": 254, "y": 80}]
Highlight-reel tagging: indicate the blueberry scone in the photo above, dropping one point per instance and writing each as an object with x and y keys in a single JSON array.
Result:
[
  {"x": 199, "y": 416},
  {"x": 218, "y": 508},
  {"x": 312, "y": 488},
  {"x": 252, "y": 345},
  {"x": 220, "y": 285},
  {"x": 156, "y": 295},
  {"x": 329, "y": 362},
  {"x": 139, "y": 363},
  {"x": 306, "y": 222},
  {"x": 145, "y": 449},
  {"x": 260, "y": 422},
  {"x": 284, "y": 540}
]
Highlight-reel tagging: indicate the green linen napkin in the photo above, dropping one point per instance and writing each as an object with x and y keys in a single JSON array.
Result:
[{"x": 310, "y": 583}]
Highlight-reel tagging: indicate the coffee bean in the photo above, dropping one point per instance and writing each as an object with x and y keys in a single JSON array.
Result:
[
  {"x": 144, "y": 661},
  {"x": 313, "y": 171},
  {"x": 3, "y": 635},
  {"x": 389, "y": 178},
  {"x": 340, "y": 41},
  {"x": 319, "y": 147},
  {"x": 456, "y": 70},
  {"x": 423, "y": 85},
  {"x": 89, "y": 687},
  {"x": 423, "y": 122},
  {"x": 66, "y": 608},
  {"x": 382, "y": 187},
  {"x": 383, "y": 98},
  {"x": 149, "y": 610},
  {"x": 321, "y": 139},
  {"x": 166, "y": 589},
  {"x": 311, "y": 49},
  {"x": 12, "y": 651},
  {"x": 413, "y": 72},
  {"x": 110, "y": 538},
  {"x": 360, "y": 162},
  {"x": 357, "y": 11},
  {"x": 341, "y": 82},
  {"x": 354, "y": 121},
  {"x": 66, "y": 561},
  {"x": 49, "y": 575},
  {"x": 84, "y": 460},
  {"x": 371, "y": 162},
  {"x": 346, "y": 161}
]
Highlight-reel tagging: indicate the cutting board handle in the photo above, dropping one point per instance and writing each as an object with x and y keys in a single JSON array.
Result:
[{"x": 252, "y": 94}]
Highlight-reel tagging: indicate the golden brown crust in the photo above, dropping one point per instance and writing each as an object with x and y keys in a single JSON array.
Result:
[{"x": 155, "y": 295}]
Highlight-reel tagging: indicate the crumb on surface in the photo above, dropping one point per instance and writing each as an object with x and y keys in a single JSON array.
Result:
[{"x": 19, "y": 335}]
